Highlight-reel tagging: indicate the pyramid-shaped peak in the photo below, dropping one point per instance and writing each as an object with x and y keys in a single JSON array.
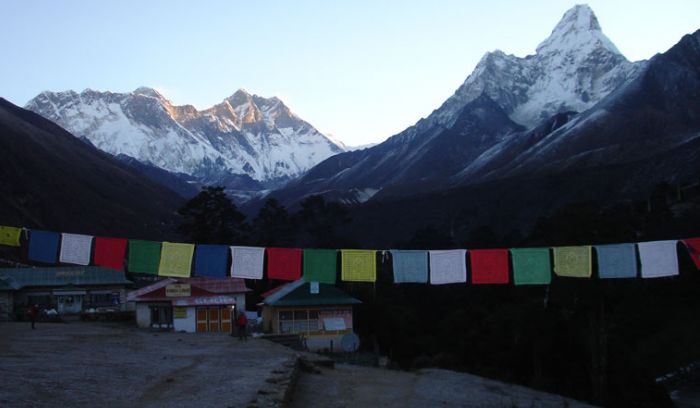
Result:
[
  {"x": 239, "y": 97},
  {"x": 578, "y": 29},
  {"x": 146, "y": 91},
  {"x": 579, "y": 17}
]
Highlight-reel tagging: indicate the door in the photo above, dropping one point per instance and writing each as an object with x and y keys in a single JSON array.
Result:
[
  {"x": 226, "y": 319},
  {"x": 214, "y": 323},
  {"x": 202, "y": 325}
]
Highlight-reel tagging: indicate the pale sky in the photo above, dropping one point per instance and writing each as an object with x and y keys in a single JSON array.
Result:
[{"x": 360, "y": 70}]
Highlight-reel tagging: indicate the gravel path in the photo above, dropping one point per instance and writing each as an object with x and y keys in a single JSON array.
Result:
[
  {"x": 353, "y": 386},
  {"x": 116, "y": 365}
]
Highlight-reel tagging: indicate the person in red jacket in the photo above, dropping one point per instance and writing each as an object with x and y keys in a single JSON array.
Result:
[
  {"x": 242, "y": 322},
  {"x": 33, "y": 313}
]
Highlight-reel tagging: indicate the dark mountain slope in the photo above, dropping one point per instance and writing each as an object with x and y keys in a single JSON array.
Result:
[{"x": 52, "y": 180}]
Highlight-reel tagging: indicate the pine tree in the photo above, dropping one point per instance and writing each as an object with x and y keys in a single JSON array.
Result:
[{"x": 212, "y": 218}]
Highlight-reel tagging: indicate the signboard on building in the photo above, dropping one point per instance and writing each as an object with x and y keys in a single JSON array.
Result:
[
  {"x": 206, "y": 301},
  {"x": 180, "y": 312},
  {"x": 314, "y": 288},
  {"x": 334, "y": 323},
  {"x": 178, "y": 290}
]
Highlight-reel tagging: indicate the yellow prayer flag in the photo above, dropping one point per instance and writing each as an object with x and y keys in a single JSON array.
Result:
[
  {"x": 176, "y": 260},
  {"x": 358, "y": 265},
  {"x": 573, "y": 262},
  {"x": 10, "y": 236}
]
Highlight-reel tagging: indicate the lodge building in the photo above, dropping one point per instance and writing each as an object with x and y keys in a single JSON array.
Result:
[
  {"x": 321, "y": 313},
  {"x": 68, "y": 290},
  {"x": 190, "y": 304}
]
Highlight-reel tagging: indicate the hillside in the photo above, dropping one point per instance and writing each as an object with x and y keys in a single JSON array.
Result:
[{"x": 53, "y": 180}]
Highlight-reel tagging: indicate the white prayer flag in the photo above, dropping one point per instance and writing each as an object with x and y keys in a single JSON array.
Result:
[
  {"x": 658, "y": 258},
  {"x": 247, "y": 262},
  {"x": 75, "y": 249},
  {"x": 448, "y": 266}
]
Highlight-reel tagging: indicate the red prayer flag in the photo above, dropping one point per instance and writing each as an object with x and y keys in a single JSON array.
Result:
[
  {"x": 110, "y": 252},
  {"x": 489, "y": 266},
  {"x": 693, "y": 247},
  {"x": 284, "y": 263}
]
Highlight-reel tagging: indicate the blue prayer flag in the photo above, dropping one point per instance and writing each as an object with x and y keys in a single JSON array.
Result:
[
  {"x": 410, "y": 266},
  {"x": 43, "y": 246},
  {"x": 211, "y": 261},
  {"x": 617, "y": 261}
]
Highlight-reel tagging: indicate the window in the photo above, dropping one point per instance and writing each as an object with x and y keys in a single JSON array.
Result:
[{"x": 298, "y": 321}]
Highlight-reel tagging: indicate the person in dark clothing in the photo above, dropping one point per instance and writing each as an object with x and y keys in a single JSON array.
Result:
[
  {"x": 33, "y": 313},
  {"x": 242, "y": 322}
]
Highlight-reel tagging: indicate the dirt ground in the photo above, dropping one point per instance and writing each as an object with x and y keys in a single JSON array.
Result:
[
  {"x": 349, "y": 386},
  {"x": 117, "y": 365}
]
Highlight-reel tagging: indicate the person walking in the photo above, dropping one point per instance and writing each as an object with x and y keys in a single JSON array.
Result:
[
  {"x": 33, "y": 313},
  {"x": 242, "y": 322}
]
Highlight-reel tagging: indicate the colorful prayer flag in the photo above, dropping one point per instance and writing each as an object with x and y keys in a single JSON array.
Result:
[
  {"x": 43, "y": 246},
  {"x": 284, "y": 263},
  {"x": 658, "y": 258},
  {"x": 176, "y": 260},
  {"x": 617, "y": 261},
  {"x": 531, "y": 266},
  {"x": 573, "y": 261},
  {"x": 247, "y": 262},
  {"x": 10, "y": 236},
  {"x": 144, "y": 256},
  {"x": 320, "y": 265},
  {"x": 693, "y": 247},
  {"x": 410, "y": 266},
  {"x": 448, "y": 266},
  {"x": 358, "y": 265},
  {"x": 211, "y": 261},
  {"x": 489, "y": 266},
  {"x": 110, "y": 252},
  {"x": 75, "y": 249}
]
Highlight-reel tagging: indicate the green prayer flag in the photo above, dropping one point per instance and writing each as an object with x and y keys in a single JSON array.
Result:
[
  {"x": 176, "y": 260},
  {"x": 10, "y": 236},
  {"x": 573, "y": 262},
  {"x": 531, "y": 266},
  {"x": 144, "y": 256},
  {"x": 358, "y": 265},
  {"x": 320, "y": 265}
]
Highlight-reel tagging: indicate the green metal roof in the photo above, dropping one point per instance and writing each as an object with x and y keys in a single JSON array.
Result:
[
  {"x": 299, "y": 294},
  {"x": 18, "y": 278}
]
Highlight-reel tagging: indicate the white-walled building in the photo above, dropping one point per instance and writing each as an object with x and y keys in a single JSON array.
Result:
[{"x": 190, "y": 304}]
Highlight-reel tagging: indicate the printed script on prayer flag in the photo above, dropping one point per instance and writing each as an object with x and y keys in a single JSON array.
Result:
[
  {"x": 410, "y": 266},
  {"x": 144, "y": 256},
  {"x": 358, "y": 265},
  {"x": 110, "y": 252},
  {"x": 247, "y": 262},
  {"x": 10, "y": 236},
  {"x": 448, "y": 266},
  {"x": 573, "y": 261},
  {"x": 176, "y": 260},
  {"x": 43, "y": 246},
  {"x": 75, "y": 249},
  {"x": 617, "y": 261},
  {"x": 658, "y": 258},
  {"x": 531, "y": 266},
  {"x": 284, "y": 263},
  {"x": 211, "y": 261},
  {"x": 489, "y": 266},
  {"x": 320, "y": 265}
]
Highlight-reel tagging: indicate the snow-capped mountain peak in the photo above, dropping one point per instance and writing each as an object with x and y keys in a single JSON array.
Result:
[
  {"x": 150, "y": 92},
  {"x": 578, "y": 28},
  {"x": 244, "y": 135},
  {"x": 574, "y": 68}
]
